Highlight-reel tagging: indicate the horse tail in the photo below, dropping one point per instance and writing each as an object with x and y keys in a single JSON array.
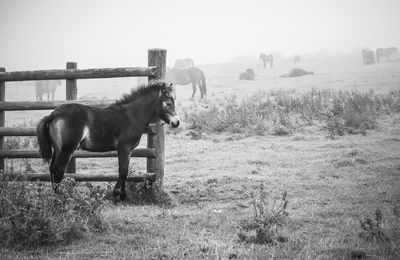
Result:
[
  {"x": 43, "y": 136},
  {"x": 203, "y": 82}
]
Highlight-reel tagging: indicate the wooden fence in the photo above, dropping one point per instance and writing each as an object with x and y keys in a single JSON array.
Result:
[{"x": 155, "y": 132}]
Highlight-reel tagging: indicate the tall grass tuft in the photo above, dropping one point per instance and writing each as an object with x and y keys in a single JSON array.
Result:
[
  {"x": 32, "y": 215},
  {"x": 282, "y": 112}
]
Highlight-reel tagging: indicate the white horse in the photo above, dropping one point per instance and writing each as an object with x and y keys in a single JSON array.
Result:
[{"x": 46, "y": 86}]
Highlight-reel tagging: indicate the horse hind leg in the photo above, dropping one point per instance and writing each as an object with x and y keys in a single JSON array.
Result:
[
  {"x": 194, "y": 89},
  {"x": 58, "y": 165},
  {"x": 201, "y": 88},
  {"x": 64, "y": 145}
]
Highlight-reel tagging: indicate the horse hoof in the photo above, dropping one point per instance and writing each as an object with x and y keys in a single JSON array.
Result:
[
  {"x": 122, "y": 196},
  {"x": 119, "y": 193}
]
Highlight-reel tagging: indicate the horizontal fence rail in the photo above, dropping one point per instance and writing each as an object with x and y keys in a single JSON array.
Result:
[
  {"x": 89, "y": 177},
  {"x": 138, "y": 152},
  {"x": 21, "y": 131},
  {"x": 79, "y": 74},
  {"x": 32, "y": 105}
]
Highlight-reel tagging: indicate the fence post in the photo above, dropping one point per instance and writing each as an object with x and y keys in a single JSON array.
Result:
[
  {"x": 71, "y": 93},
  {"x": 157, "y": 57},
  {"x": 2, "y": 117}
]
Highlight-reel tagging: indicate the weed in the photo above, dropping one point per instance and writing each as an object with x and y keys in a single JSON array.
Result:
[
  {"x": 372, "y": 229},
  {"x": 265, "y": 221}
]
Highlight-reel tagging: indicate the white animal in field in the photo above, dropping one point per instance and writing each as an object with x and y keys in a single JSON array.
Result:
[{"x": 46, "y": 87}]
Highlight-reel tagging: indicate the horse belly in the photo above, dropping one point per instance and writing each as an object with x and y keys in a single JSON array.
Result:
[{"x": 97, "y": 143}]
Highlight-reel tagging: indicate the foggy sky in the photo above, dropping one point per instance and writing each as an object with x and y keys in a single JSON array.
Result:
[{"x": 44, "y": 34}]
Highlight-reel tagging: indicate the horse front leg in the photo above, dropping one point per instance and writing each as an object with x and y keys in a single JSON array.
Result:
[{"x": 124, "y": 156}]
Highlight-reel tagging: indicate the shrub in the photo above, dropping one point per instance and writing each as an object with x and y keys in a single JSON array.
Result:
[{"x": 32, "y": 214}]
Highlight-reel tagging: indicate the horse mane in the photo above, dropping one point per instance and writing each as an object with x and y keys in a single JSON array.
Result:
[{"x": 143, "y": 90}]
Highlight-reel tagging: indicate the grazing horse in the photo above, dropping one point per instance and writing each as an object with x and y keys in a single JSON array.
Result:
[
  {"x": 297, "y": 72},
  {"x": 265, "y": 58},
  {"x": 247, "y": 75},
  {"x": 385, "y": 52},
  {"x": 46, "y": 86},
  {"x": 368, "y": 57},
  {"x": 183, "y": 63},
  {"x": 118, "y": 126},
  {"x": 186, "y": 76}
]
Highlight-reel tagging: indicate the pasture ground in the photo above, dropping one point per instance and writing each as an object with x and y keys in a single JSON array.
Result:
[{"x": 332, "y": 184}]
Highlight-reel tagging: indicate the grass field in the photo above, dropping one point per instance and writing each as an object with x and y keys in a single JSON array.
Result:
[{"x": 215, "y": 180}]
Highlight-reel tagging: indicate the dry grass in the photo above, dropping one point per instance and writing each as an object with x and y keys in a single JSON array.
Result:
[{"x": 332, "y": 185}]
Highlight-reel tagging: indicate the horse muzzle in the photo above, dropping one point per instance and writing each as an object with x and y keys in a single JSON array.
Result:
[{"x": 174, "y": 121}]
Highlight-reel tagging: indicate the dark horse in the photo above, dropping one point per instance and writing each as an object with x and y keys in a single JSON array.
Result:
[
  {"x": 265, "y": 58},
  {"x": 118, "y": 126},
  {"x": 385, "y": 52},
  {"x": 189, "y": 75}
]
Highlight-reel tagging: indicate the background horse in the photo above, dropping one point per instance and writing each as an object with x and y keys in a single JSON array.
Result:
[
  {"x": 46, "y": 86},
  {"x": 190, "y": 75},
  {"x": 99, "y": 129},
  {"x": 385, "y": 52},
  {"x": 248, "y": 75},
  {"x": 368, "y": 57},
  {"x": 265, "y": 58},
  {"x": 183, "y": 63},
  {"x": 297, "y": 72}
]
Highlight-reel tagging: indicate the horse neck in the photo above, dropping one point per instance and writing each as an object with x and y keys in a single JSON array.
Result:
[{"x": 143, "y": 109}]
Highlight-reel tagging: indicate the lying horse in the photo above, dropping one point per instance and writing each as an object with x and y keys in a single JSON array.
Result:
[
  {"x": 297, "y": 72},
  {"x": 186, "y": 76},
  {"x": 247, "y": 75},
  {"x": 265, "y": 58},
  {"x": 118, "y": 126},
  {"x": 46, "y": 87}
]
